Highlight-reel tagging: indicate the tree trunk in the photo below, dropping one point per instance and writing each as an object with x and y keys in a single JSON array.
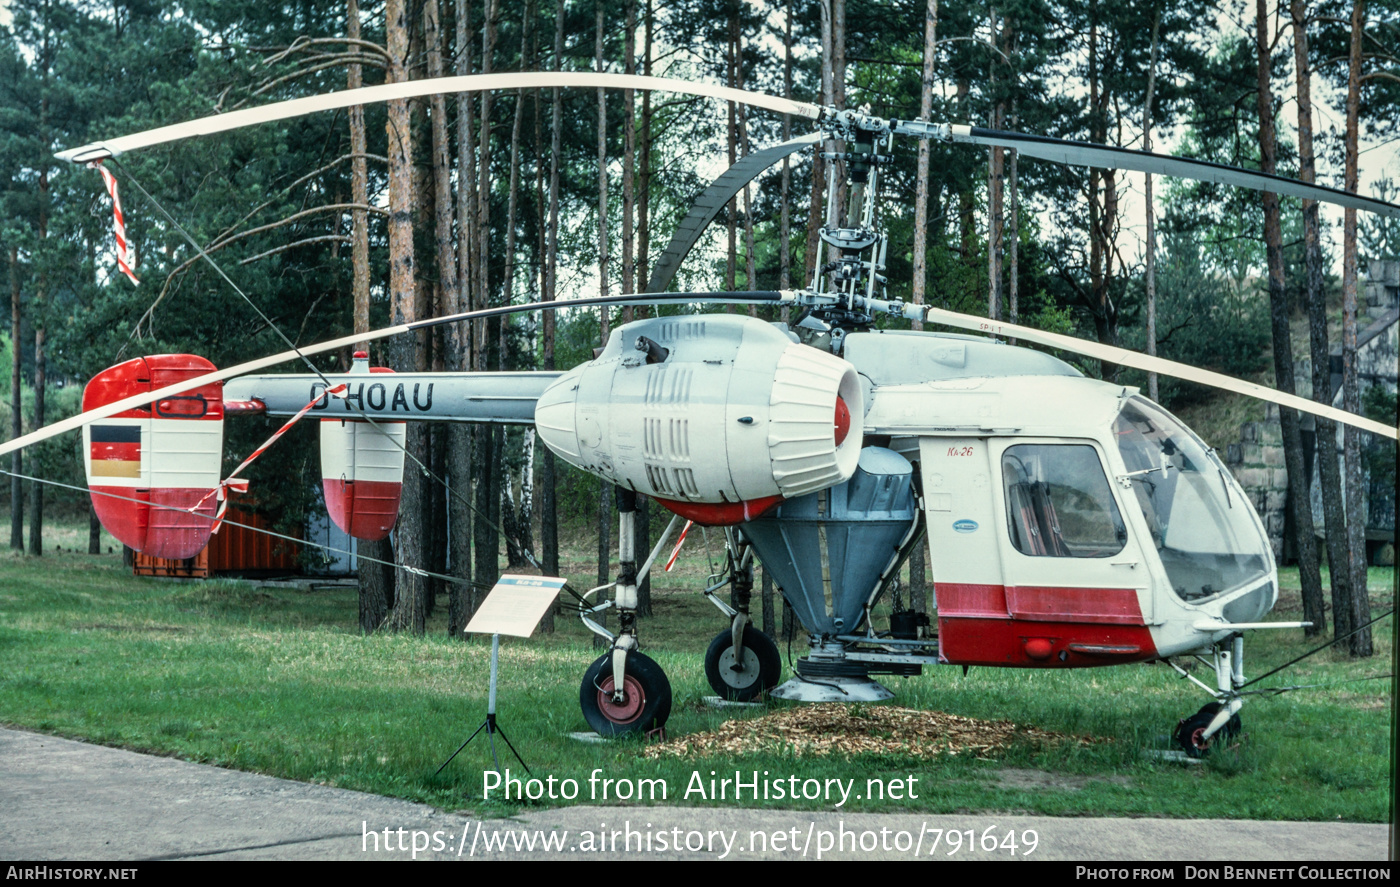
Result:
[
  {"x": 486, "y": 438},
  {"x": 16, "y": 412},
  {"x": 1298, "y": 500},
  {"x": 750, "y": 269},
  {"x": 920, "y": 257},
  {"x": 770, "y": 625},
  {"x": 1151, "y": 254},
  {"x": 1329, "y": 475},
  {"x": 460, "y": 596},
  {"x": 408, "y": 613},
  {"x": 731, "y": 63},
  {"x": 1360, "y": 645},
  {"x": 629, "y": 158},
  {"x": 36, "y": 490},
  {"x": 644, "y": 173},
  {"x": 549, "y": 512},
  {"x": 995, "y": 185},
  {"x": 605, "y": 492},
  {"x": 785, "y": 184},
  {"x": 819, "y": 165}
]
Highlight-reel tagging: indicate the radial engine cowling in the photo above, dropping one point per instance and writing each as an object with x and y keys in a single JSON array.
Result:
[{"x": 719, "y": 417}]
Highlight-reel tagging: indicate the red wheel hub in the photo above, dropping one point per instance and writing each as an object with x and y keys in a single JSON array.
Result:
[{"x": 630, "y": 708}]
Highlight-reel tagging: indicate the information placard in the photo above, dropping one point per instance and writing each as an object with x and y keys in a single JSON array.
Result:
[{"x": 515, "y": 605}]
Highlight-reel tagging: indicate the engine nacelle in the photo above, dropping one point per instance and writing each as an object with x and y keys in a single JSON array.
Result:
[
  {"x": 152, "y": 471},
  {"x": 362, "y": 468},
  {"x": 719, "y": 417}
]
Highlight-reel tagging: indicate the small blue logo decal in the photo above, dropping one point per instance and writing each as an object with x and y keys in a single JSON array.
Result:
[{"x": 965, "y": 526}]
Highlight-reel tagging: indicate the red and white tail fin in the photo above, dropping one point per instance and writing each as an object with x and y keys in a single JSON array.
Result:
[
  {"x": 362, "y": 469},
  {"x": 160, "y": 462}
]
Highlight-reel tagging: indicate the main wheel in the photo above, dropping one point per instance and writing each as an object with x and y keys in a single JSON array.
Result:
[
  {"x": 743, "y": 682},
  {"x": 646, "y": 702},
  {"x": 1190, "y": 732}
]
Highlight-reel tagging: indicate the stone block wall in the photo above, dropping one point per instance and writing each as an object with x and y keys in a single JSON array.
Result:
[
  {"x": 1257, "y": 463},
  {"x": 1382, "y": 287}
]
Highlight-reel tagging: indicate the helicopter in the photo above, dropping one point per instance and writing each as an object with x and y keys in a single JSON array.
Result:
[{"x": 1069, "y": 522}]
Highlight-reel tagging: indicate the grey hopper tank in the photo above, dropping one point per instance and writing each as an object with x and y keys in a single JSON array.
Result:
[{"x": 826, "y": 550}]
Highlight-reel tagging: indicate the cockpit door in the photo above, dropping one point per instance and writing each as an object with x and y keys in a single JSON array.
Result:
[
  {"x": 959, "y": 487},
  {"x": 1069, "y": 587}
]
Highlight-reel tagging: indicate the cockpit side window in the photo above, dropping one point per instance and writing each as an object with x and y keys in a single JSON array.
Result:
[{"x": 1058, "y": 502}]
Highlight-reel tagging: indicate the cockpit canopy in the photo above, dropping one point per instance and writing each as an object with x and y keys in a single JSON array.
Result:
[{"x": 1208, "y": 538}]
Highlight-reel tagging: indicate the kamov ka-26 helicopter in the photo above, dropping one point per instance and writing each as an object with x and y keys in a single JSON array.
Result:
[{"x": 1070, "y": 522}]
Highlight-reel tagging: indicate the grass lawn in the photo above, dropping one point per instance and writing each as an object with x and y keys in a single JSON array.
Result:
[{"x": 279, "y": 681}]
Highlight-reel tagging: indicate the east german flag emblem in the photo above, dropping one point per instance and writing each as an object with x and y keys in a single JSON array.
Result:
[{"x": 116, "y": 451}]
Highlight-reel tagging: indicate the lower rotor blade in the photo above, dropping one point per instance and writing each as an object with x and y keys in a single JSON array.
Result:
[
  {"x": 141, "y": 400},
  {"x": 1139, "y": 361}
]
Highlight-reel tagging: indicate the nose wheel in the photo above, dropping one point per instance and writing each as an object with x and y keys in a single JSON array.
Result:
[
  {"x": 644, "y": 703},
  {"x": 744, "y": 675},
  {"x": 1197, "y": 733},
  {"x": 1191, "y": 732}
]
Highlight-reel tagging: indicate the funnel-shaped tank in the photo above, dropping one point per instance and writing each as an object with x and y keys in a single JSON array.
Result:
[{"x": 826, "y": 550}]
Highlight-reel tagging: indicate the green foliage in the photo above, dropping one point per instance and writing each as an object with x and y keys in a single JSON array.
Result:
[
  {"x": 1379, "y": 236},
  {"x": 1207, "y": 318}
]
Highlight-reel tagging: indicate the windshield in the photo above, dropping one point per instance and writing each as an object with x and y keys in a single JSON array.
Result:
[{"x": 1205, "y": 533}]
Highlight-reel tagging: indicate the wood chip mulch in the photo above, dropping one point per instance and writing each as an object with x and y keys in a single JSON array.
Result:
[{"x": 839, "y": 729}]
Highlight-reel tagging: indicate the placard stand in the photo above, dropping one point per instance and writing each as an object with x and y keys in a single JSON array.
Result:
[
  {"x": 490, "y": 725},
  {"x": 514, "y": 607}
]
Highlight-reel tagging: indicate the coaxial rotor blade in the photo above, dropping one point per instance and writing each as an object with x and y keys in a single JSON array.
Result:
[
  {"x": 414, "y": 88},
  {"x": 712, "y": 200},
  {"x": 1075, "y": 153}
]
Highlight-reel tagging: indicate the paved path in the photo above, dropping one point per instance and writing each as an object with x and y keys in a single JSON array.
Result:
[{"x": 68, "y": 800}]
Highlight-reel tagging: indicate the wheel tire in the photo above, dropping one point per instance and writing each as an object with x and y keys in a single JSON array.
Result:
[
  {"x": 1189, "y": 730},
  {"x": 763, "y": 666},
  {"x": 648, "y": 696}
]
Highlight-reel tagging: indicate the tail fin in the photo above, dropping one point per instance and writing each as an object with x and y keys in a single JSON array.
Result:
[{"x": 152, "y": 470}]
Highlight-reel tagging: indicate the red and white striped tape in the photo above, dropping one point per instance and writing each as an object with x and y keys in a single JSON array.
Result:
[
  {"x": 125, "y": 258},
  {"x": 235, "y": 484},
  {"x": 679, "y": 542}
]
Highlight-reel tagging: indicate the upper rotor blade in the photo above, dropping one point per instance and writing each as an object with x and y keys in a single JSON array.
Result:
[
  {"x": 1106, "y": 157},
  {"x": 712, "y": 200},
  {"x": 414, "y": 88}
]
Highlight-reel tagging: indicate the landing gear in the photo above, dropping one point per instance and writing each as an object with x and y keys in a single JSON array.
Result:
[
  {"x": 1191, "y": 732},
  {"x": 1196, "y": 733},
  {"x": 749, "y": 674},
  {"x": 643, "y": 705},
  {"x": 624, "y": 691},
  {"x": 742, "y": 663}
]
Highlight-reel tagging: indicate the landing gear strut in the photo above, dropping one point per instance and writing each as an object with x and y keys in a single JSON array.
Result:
[
  {"x": 1196, "y": 733},
  {"x": 742, "y": 663},
  {"x": 624, "y": 691}
]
